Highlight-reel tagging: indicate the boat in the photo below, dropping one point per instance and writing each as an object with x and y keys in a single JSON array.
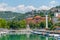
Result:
[
  {"x": 55, "y": 35},
  {"x": 38, "y": 32},
  {"x": 46, "y": 33}
]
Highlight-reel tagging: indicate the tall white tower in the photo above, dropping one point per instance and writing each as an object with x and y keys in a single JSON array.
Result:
[
  {"x": 47, "y": 18},
  {"x": 46, "y": 21}
]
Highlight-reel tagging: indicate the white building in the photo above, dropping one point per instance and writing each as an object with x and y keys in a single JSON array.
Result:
[{"x": 56, "y": 17}]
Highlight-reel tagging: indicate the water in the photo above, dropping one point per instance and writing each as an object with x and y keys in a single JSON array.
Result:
[{"x": 26, "y": 37}]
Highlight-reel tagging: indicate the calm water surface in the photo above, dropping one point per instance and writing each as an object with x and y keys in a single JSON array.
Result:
[{"x": 26, "y": 37}]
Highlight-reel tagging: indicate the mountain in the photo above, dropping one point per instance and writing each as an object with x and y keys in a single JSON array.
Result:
[{"x": 8, "y": 15}]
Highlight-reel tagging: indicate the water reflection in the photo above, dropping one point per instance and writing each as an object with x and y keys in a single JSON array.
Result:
[
  {"x": 46, "y": 38},
  {"x": 26, "y": 37}
]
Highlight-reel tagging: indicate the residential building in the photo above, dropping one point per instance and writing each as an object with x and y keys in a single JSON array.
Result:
[
  {"x": 36, "y": 19},
  {"x": 56, "y": 17}
]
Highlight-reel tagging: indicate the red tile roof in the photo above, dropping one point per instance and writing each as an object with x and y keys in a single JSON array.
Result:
[{"x": 37, "y": 17}]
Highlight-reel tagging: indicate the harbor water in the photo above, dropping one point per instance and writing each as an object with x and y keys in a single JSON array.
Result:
[{"x": 26, "y": 37}]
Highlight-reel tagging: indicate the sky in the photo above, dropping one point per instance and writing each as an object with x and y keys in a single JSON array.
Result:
[{"x": 27, "y": 5}]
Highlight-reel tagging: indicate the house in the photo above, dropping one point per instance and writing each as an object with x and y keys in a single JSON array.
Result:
[
  {"x": 35, "y": 19},
  {"x": 56, "y": 17}
]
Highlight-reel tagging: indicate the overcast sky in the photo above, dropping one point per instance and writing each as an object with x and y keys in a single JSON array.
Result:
[{"x": 27, "y": 5}]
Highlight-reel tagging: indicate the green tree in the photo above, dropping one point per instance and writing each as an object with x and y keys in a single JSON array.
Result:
[
  {"x": 3, "y": 23},
  {"x": 50, "y": 24},
  {"x": 58, "y": 24},
  {"x": 22, "y": 24},
  {"x": 51, "y": 14},
  {"x": 42, "y": 14},
  {"x": 13, "y": 25},
  {"x": 42, "y": 24},
  {"x": 32, "y": 25},
  {"x": 52, "y": 27}
]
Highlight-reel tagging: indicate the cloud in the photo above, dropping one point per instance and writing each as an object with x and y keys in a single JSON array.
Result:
[
  {"x": 29, "y": 8},
  {"x": 10, "y": 9},
  {"x": 20, "y": 7},
  {"x": 3, "y": 6},
  {"x": 23, "y": 8},
  {"x": 43, "y": 7},
  {"x": 53, "y": 3}
]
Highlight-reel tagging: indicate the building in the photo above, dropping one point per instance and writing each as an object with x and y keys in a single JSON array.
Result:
[
  {"x": 36, "y": 19},
  {"x": 56, "y": 17}
]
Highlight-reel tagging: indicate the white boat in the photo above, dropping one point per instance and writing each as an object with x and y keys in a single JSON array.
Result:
[
  {"x": 36, "y": 32},
  {"x": 55, "y": 35},
  {"x": 3, "y": 32}
]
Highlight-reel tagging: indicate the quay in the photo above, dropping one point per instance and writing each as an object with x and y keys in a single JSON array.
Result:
[{"x": 29, "y": 31}]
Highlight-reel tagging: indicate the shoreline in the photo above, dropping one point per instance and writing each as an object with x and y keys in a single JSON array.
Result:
[{"x": 27, "y": 31}]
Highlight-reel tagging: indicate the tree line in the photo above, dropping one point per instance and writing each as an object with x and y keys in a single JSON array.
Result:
[{"x": 14, "y": 24}]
